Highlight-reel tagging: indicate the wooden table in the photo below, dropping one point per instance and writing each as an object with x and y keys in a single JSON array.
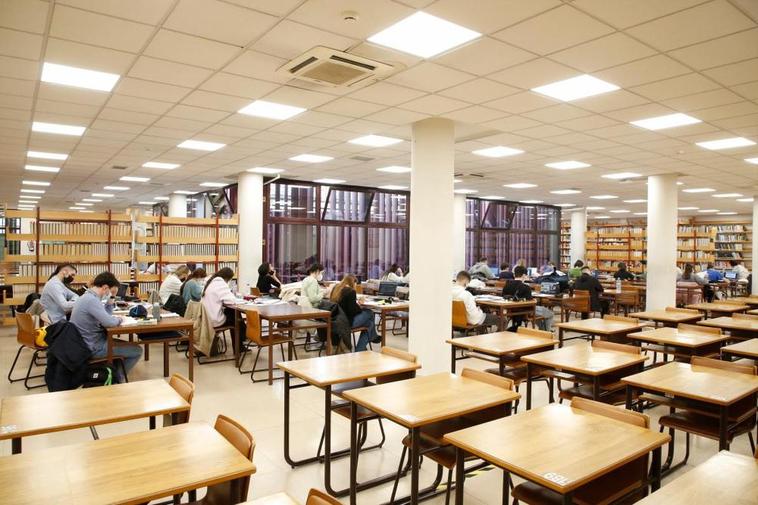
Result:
[
  {"x": 715, "y": 309},
  {"x": 414, "y": 403},
  {"x": 746, "y": 349},
  {"x": 386, "y": 312},
  {"x": 713, "y": 386},
  {"x": 556, "y": 446},
  {"x": 753, "y": 312},
  {"x": 500, "y": 346},
  {"x": 602, "y": 328},
  {"x": 127, "y": 469},
  {"x": 680, "y": 343},
  {"x": 583, "y": 360},
  {"x": 724, "y": 478},
  {"x": 751, "y": 301},
  {"x": 508, "y": 309},
  {"x": 740, "y": 328},
  {"x": 183, "y": 327},
  {"x": 324, "y": 373},
  {"x": 667, "y": 317},
  {"x": 24, "y": 416}
]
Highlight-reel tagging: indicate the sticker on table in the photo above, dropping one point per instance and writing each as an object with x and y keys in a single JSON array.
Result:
[
  {"x": 556, "y": 478},
  {"x": 8, "y": 428}
]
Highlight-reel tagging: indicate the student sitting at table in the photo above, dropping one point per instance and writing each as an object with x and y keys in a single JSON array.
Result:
[
  {"x": 474, "y": 315},
  {"x": 587, "y": 282},
  {"x": 481, "y": 269},
  {"x": 517, "y": 289},
  {"x": 57, "y": 299},
  {"x": 622, "y": 273},
  {"x": 346, "y": 297},
  {"x": 311, "y": 291},
  {"x": 217, "y": 298},
  {"x": 576, "y": 271},
  {"x": 505, "y": 272},
  {"x": 395, "y": 274},
  {"x": 91, "y": 317},
  {"x": 739, "y": 269},
  {"x": 192, "y": 289},
  {"x": 172, "y": 284},
  {"x": 713, "y": 274},
  {"x": 268, "y": 283}
]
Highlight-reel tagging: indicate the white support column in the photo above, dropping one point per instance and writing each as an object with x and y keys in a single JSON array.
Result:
[
  {"x": 177, "y": 205},
  {"x": 662, "y": 211},
  {"x": 250, "y": 212},
  {"x": 754, "y": 251},
  {"x": 578, "y": 244},
  {"x": 459, "y": 232},
  {"x": 431, "y": 242}
]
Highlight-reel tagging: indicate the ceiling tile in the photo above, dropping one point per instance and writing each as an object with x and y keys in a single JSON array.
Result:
[
  {"x": 66, "y": 52},
  {"x": 430, "y": 77},
  {"x": 238, "y": 86},
  {"x": 292, "y": 95},
  {"x": 99, "y": 30},
  {"x": 626, "y": 13},
  {"x": 373, "y": 16},
  {"x": 19, "y": 44},
  {"x": 434, "y": 105},
  {"x": 350, "y": 107},
  {"x": 702, "y": 100},
  {"x": 395, "y": 116},
  {"x": 737, "y": 47},
  {"x": 148, "y": 89},
  {"x": 677, "y": 86},
  {"x": 258, "y": 65},
  {"x": 748, "y": 90},
  {"x": 24, "y": 15},
  {"x": 18, "y": 68},
  {"x": 127, "y": 116},
  {"x": 131, "y": 103},
  {"x": 727, "y": 111},
  {"x": 70, "y": 94},
  {"x": 289, "y": 39},
  {"x": 219, "y": 21},
  {"x": 489, "y": 15},
  {"x": 386, "y": 93},
  {"x": 612, "y": 50},
  {"x": 520, "y": 102},
  {"x": 610, "y": 101},
  {"x": 144, "y": 11},
  {"x": 556, "y": 113},
  {"x": 276, "y": 7},
  {"x": 168, "y": 72},
  {"x": 475, "y": 114},
  {"x": 651, "y": 69},
  {"x": 215, "y": 101},
  {"x": 479, "y": 90},
  {"x": 512, "y": 123},
  {"x": 484, "y": 56},
  {"x": 534, "y": 73},
  {"x": 736, "y": 73},
  {"x": 195, "y": 51}
]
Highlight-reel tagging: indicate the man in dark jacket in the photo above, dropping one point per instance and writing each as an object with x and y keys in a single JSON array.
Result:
[
  {"x": 587, "y": 282},
  {"x": 517, "y": 289},
  {"x": 67, "y": 357}
]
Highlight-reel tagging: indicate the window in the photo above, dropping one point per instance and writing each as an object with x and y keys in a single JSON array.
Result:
[
  {"x": 343, "y": 205},
  {"x": 294, "y": 248}
]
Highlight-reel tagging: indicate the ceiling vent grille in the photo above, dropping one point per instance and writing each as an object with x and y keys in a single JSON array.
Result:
[
  {"x": 361, "y": 158},
  {"x": 329, "y": 67},
  {"x": 119, "y": 167}
]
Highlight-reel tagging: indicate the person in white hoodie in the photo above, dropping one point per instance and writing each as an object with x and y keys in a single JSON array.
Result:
[
  {"x": 172, "y": 284},
  {"x": 217, "y": 298},
  {"x": 474, "y": 315}
]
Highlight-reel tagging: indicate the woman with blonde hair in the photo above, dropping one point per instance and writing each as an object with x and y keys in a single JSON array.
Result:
[
  {"x": 345, "y": 295},
  {"x": 172, "y": 284}
]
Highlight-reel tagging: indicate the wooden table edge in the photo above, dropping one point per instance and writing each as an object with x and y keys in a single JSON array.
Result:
[
  {"x": 687, "y": 394},
  {"x": 410, "y": 368},
  {"x": 640, "y": 335},
  {"x": 530, "y": 359},
  {"x": 598, "y": 331}
]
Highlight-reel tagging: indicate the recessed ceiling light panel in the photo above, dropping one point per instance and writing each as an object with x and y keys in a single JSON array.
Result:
[
  {"x": 58, "y": 129},
  {"x": 603, "y": 197},
  {"x": 40, "y": 168},
  {"x": 394, "y": 169},
  {"x": 214, "y": 184},
  {"x": 567, "y": 165},
  {"x": 575, "y": 88},
  {"x": 667, "y": 121},
  {"x": 327, "y": 180},
  {"x": 730, "y": 143},
  {"x": 271, "y": 110},
  {"x": 78, "y": 77},
  {"x": 46, "y": 156},
  {"x": 727, "y": 195},
  {"x": 161, "y": 165},
  {"x": 565, "y": 192},
  {"x": 199, "y": 145},
  {"x": 375, "y": 141},
  {"x": 520, "y": 185},
  {"x": 131, "y": 178},
  {"x": 497, "y": 152},
  {"x": 265, "y": 170},
  {"x": 622, "y": 175},
  {"x": 311, "y": 158},
  {"x": 698, "y": 190}
]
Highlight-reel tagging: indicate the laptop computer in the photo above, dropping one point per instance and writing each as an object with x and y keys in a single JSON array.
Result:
[
  {"x": 387, "y": 289},
  {"x": 550, "y": 288},
  {"x": 732, "y": 276}
]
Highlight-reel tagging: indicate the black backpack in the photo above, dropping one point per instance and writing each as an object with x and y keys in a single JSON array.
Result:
[
  {"x": 99, "y": 375},
  {"x": 175, "y": 303}
]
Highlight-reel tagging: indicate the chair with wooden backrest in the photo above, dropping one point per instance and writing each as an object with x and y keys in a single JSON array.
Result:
[
  {"x": 580, "y": 303},
  {"x": 701, "y": 419},
  {"x": 694, "y": 312},
  {"x": 433, "y": 446},
  {"x": 628, "y": 300},
  {"x": 621, "y": 319},
  {"x": 460, "y": 319},
  {"x": 316, "y": 497},
  {"x": 254, "y": 291},
  {"x": 607, "y": 488},
  {"x": 738, "y": 315},
  {"x": 243, "y": 441},
  {"x": 697, "y": 328},
  {"x": 255, "y": 337},
  {"x": 25, "y": 337},
  {"x": 186, "y": 389}
]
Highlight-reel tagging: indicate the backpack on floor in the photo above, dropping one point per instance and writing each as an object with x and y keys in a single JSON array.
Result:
[{"x": 98, "y": 375}]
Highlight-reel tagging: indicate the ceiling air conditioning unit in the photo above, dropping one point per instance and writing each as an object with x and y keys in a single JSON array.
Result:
[{"x": 329, "y": 67}]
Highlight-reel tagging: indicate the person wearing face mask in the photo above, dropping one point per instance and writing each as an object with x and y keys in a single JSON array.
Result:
[
  {"x": 268, "y": 283},
  {"x": 310, "y": 289},
  {"x": 57, "y": 299},
  {"x": 93, "y": 313},
  {"x": 395, "y": 274},
  {"x": 172, "y": 284},
  {"x": 474, "y": 315}
]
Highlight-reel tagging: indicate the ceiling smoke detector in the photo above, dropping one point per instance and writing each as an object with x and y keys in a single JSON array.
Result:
[{"x": 329, "y": 67}]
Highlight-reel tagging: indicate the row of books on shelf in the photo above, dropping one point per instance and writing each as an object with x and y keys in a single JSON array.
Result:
[
  {"x": 731, "y": 237},
  {"x": 46, "y": 270},
  {"x": 74, "y": 249},
  {"x": 146, "y": 287},
  {"x": 732, "y": 228},
  {"x": 67, "y": 228},
  {"x": 694, "y": 256},
  {"x": 191, "y": 249}
]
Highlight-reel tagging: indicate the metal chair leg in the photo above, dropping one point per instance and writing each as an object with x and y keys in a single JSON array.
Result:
[
  {"x": 399, "y": 472},
  {"x": 30, "y": 376}
]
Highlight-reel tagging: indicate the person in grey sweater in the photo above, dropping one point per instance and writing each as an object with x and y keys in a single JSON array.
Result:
[
  {"x": 481, "y": 270},
  {"x": 91, "y": 317},
  {"x": 56, "y": 298}
]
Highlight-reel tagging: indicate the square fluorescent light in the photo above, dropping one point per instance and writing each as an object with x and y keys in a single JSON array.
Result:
[
  {"x": 84, "y": 204},
  {"x": 575, "y": 88},
  {"x": 745, "y": 199},
  {"x": 161, "y": 198},
  {"x": 520, "y": 185},
  {"x": 45, "y": 183},
  {"x": 46, "y": 156},
  {"x": 595, "y": 208},
  {"x": 265, "y": 170},
  {"x": 78, "y": 77},
  {"x": 565, "y": 192},
  {"x": 214, "y": 184},
  {"x": 375, "y": 141},
  {"x": 116, "y": 188},
  {"x": 33, "y": 191},
  {"x": 130, "y": 178},
  {"x": 730, "y": 143},
  {"x": 40, "y": 168},
  {"x": 393, "y": 187},
  {"x": 708, "y": 211},
  {"x": 394, "y": 169},
  {"x": 726, "y": 213},
  {"x": 78, "y": 208},
  {"x": 59, "y": 129},
  {"x": 497, "y": 151},
  {"x": 103, "y": 195},
  {"x": 91, "y": 200},
  {"x": 424, "y": 35},
  {"x": 565, "y": 205},
  {"x": 531, "y": 201},
  {"x": 329, "y": 181},
  {"x": 727, "y": 195},
  {"x": 493, "y": 197},
  {"x": 271, "y": 110},
  {"x": 199, "y": 145},
  {"x": 146, "y": 203},
  {"x": 667, "y": 121},
  {"x": 603, "y": 197},
  {"x": 602, "y": 217},
  {"x": 640, "y": 213},
  {"x": 30, "y": 197},
  {"x": 754, "y": 161},
  {"x": 184, "y": 192},
  {"x": 567, "y": 165},
  {"x": 637, "y": 200},
  {"x": 620, "y": 211},
  {"x": 311, "y": 158},
  {"x": 158, "y": 164},
  {"x": 464, "y": 191},
  {"x": 86, "y": 211},
  {"x": 688, "y": 208},
  {"x": 621, "y": 175},
  {"x": 698, "y": 190}
]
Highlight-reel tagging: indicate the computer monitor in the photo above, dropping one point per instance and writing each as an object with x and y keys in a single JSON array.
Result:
[
  {"x": 387, "y": 288},
  {"x": 731, "y": 275},
  {"x": 122, "y": 291},
  {"x": 495, "y": 271},
  {"x": 532, "y": 272},
  {"x": 550, "y": 288}
]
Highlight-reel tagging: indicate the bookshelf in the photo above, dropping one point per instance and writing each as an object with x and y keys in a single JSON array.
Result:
[
  {"x": 608, "y": 244},
  {"x": 565, "y": 243}
]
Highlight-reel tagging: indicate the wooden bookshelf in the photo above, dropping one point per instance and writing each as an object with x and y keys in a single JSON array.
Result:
[{"x": 565, "y": 244}]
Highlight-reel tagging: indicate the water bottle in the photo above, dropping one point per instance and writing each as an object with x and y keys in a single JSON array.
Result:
[
  {"x": 618, "y": 285},
  {"x": 157, "y": 311}
]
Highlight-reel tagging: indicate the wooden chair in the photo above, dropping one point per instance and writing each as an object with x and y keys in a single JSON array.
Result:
[
  {"x": 579, "y": 303},
  {"x": 316, "y": 497},
  {"x": 738, "y": 315},
  {"x": 608, "y": 488},
  {"x": 698, "y": 418},
  {"x": 628, "y": 301},
  {"x": 460, "y": 319},
  {"x": 255, "y": 336},
  {"x": 694, "y": 312},
  {"x": 254, "y": 291},
  {"x": 224, "y": 492},
  {"x": 432, "y": 444},
  {"x": 25, "y": 337},
  {"x": 186, "y": 389}
]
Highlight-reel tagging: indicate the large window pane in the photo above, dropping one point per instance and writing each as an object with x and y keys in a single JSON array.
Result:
[
  {"x": 343, "y": 205},
  {"x": 342, "y": 251},
  {"x": 521, "y": 246},
  {"x": 547, "y": 249},
  {"x": 548, "y": 219},
  {"x": 494, "y": 247},
  {"x": 471, "y": 247},
  {"x": 473, "y": 212},
  {"x": 389, "y": 208},
  {"x": 292, "y": 200},
  {"x": 524, "y": 218},
  {"x": 291, "y": 248},
  {"x": 498, "y": 215},
  {"x": 386, "y": 246}
]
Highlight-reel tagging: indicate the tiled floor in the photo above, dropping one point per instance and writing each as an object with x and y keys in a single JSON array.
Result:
[{"x": 259, "y": 407}]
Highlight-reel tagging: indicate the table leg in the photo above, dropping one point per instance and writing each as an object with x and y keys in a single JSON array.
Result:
[
  {"x": 501, "y": 364},
  {"x": 560, "y": 337},
  {"x": 152, "y": 422},
  {"x": 501, "y": 319},
  {"x": 165, "y": 359},
  {"x": 353, "y": 452},
  {"x": 236, "y": 336},
  {"x": 452, "y": 358},
  {"x": 383, "y": 317},
  {"x": 460, "y": 475},
  {"x": 723, "y": 425},
  {"x": 109, "y": 355},
  {"x": 528, "y": 386},
  {"x": 568, "y": 498},
  {"x": 596, "y": 388},
  {"x": 415, "y": 456},
  {"x": 328, "y": 337},
  {"x": 506, "y": 486},
  {"x": 191, "y": 353},
  {"x": 16, "y": 446},
  {"x": 629, "y": 395},
  {"x": 655, "y": 470}
]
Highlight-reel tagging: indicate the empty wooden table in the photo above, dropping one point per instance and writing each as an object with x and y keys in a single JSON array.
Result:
[
  {"x": 715, "y": 309},
  {"x": 724, "y": 478},
  {"x": 501, "y": 345},
  {"x": 740, "y": 328},
  {"x": 680, "y": 343},
  {"x": 603, "y": 328},
  {"x": 387, "y": 312},
  {"x": 720, "y": 388},
  {"x": 414, "y": 403},
  {"x": 751, "y": 301},
  {"x": 556, "y": 446},
  {"x": 324, "y": 373},
  {"x": 667, "y": 317},
  {"x": 746, "y": 349},
  {"x": 507, "y": 309},
  {"x": 127, "y": 469},
  {"x": 583, "y": 360},
  {"x": 23, "y": 416}
]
